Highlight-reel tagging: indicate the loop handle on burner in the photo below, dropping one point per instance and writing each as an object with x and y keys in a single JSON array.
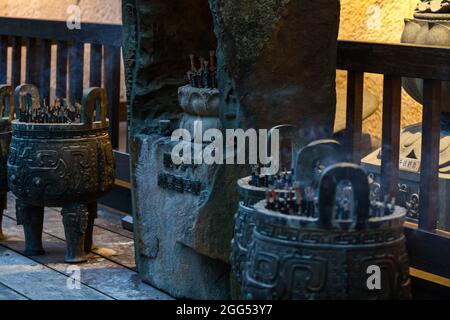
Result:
[
  {"x": 329, "y": 182},
  {"x": 6, "y": 92},
  {"x": 88, "y": 105},
  {"x": 26, "y": 96}
]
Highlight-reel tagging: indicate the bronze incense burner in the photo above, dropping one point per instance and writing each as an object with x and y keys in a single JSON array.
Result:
[
  {"x": 331, "y": 255},
  {"x": 68, "y": 165}
]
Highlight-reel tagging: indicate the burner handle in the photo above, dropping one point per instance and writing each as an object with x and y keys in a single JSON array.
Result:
[
  {"x": 89, "y": 102},
  {"x": 26, "y": 92},
  {"x": 328, "y": 187}
]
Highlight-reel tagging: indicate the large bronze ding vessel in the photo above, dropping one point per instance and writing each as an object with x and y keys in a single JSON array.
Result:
[
  {"x": 326, "y": 152},
  {"x": 5, "y": 139},
  {"x": 332, "y": 256},
  {"x": 68, "y": 165}
]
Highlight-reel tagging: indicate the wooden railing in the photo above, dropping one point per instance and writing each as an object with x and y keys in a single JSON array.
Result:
[
  {"x": 35, "y": 39},
  {"x": 38, "y": 36},
  {"x": 429, "y": 248}
]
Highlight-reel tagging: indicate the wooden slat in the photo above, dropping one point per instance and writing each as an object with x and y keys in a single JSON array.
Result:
[
  {"x": 429, "y": 175},
  {"x": 121, "y": 246},
  {"x": 95, "y": 73},
  {"x": 100, "y": 274},
  {"x": 32, "y": 63},
  {"x": 3, "y": 59},
  {"x": 45, "y": 65},
  {"x": 118, "y": 198},
  {"x": 61, "y": 69},
  {"x": 9, "y": 294},
  {"x": 110, "y": 219},
  {"x": 16, "y": 61},
  {"x": 76, "y": 66},
  {"x": 429, "y": 251},
  {"x": 425, "y": 62},
  {"x": 392, "y": 99},
  {"x": 99, "y": 33},
  {"x": 355, "y": 89},
  {"x": 112, "y": 84},
  {"x": 39, "y": 282}
]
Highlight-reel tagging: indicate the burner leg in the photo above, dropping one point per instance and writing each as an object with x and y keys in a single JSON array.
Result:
[
  {"x": 75, "y": 220},
  {"x": 3, "y": 202},
  {"x": 88, "y": 242},
  {"x": 32, "y": 219}
]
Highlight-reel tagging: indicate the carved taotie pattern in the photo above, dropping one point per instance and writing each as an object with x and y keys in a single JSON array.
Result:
[
  {"x": 60, "y": 164},
  {"x": 243, "y": 230},
  {"x": 289, "y": 269}
]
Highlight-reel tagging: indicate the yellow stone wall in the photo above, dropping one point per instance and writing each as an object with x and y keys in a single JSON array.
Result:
[
  {"x": 108, "y": 11},
  {"x": 365, "y": 20}
]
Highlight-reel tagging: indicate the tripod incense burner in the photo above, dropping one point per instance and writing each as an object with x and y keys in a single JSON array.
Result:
[
  {"x": 68, "y": 165},
  {"x": 5, "y": 139}
]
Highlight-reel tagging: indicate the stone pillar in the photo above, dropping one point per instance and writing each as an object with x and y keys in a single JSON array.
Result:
[
  {"x": 182, "y": 239},
  {"x": 278, "y": 62}
]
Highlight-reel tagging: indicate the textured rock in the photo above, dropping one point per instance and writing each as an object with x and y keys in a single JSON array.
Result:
[
  {"x": 171, "y": 229},
  {"x": 278, "y": 62}
]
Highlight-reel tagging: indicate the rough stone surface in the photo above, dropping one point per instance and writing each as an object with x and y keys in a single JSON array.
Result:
[
  {"x": 163, "y": 33},
  {"x": 277, "y": 62},
  {"x": 182, "y": 239}
]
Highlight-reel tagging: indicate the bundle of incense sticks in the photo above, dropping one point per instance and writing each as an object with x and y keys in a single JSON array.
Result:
[
  {"x": 58, "y": 112},
  {"x": 282, "y": 180},
  {"x": 206, "y": 75},
  {"x": 304, "y": 203}
]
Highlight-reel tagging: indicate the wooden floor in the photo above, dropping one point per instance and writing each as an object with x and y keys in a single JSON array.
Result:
[{"x": 109, "y": 274}]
